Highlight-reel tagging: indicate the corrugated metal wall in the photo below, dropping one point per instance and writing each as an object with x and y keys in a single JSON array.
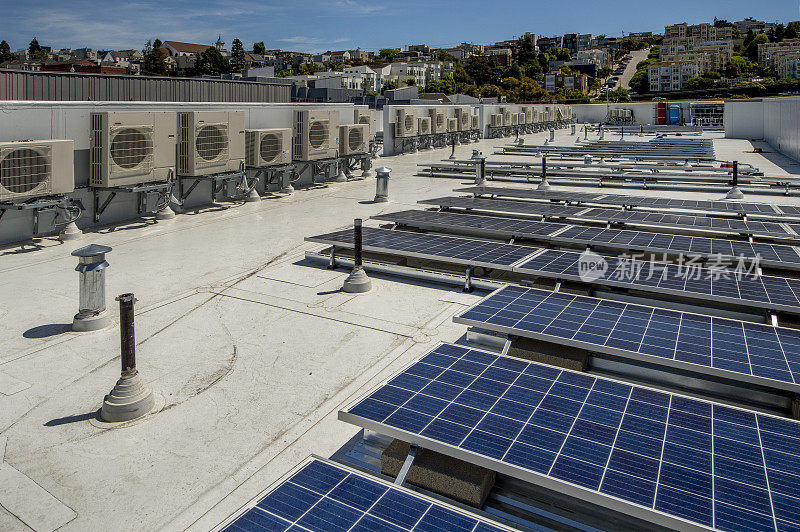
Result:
[{"x": 52, "y": 86}]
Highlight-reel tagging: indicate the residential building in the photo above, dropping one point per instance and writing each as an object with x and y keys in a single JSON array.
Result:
[
  {"x": 367, "y": 75},
  {"x": 584, "y": 40},
  {"x": 576, "y": 82},
  {"x": 698, "y": 32},
  {"x": 756, "y": 26},
  {"x": 794, "y": 69},
  {"x": 322, "y": 58},
  {"x": 360, "y": 55},
  {"x": 595, "y": 54},
  {"x": 341, "y": 56},
  {"x": 671, "y": 75},
  {"x": 84, "y": 66},
  {"x": 785, "y": 63},
  {"x": 436, "y": 70},
  {"x": 424, "y": 49},
  {"x": 503, "y": 56},
  {"x": 404, "y": 73},
  {"x": 640, "y": 35},
  {"x": 546, "y": 44},
  {"x": 85, "y": 54},
  {"x": 768, "y": 52}
]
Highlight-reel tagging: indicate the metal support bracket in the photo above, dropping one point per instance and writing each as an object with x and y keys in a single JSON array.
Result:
[
  {"x": 141, "y": 190},
  {"x": 40, "y": 205},
  {"x": 401, "y": 476},
  {"x": 332, "y": 259},
  {"x": 218, "y": 182},
  {"x": 468, "y": 288}
]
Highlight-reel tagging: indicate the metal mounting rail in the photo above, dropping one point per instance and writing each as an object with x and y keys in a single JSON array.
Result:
[
  {"x": 218, "y": 183},
  {"x": 142, "y": 190},
  {"x": 41, "y": 205}
]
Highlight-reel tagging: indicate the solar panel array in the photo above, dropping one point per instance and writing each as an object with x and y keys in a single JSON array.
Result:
[
  {"x": 736, "y": 350},
  {"x": 669, "y": 457},
  {"x": 683, "y": 222},
  {"x": 756, "y": 291},
  {"x": 460, "y": 250},
  {"x": 762, "y": 209},
  {"x": 772, "y": 254},
  {"x": 324, "y": 497}
]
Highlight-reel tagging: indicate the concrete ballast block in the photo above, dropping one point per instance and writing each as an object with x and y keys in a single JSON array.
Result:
[{"x": 455, "y": 479}]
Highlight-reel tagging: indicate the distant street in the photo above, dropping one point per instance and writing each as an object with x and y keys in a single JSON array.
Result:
[{"x": 638, "y": 57}]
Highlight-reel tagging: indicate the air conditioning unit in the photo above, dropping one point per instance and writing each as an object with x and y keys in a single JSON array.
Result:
[
  {"x": 36, "y": 168},
  {"x": 549, "y": 115},
  {"x": 353, "y": 139},
  {"x": 506, "y": 112},
  {"x": 405, "y": 123},
  {"x": 528, "y": 114},
  {"x": 464, "y": 119},
  {"x": 438, "y": 120},
  {"x": 368, "y": 117},
  {"x": 475, "y": 122},
  {"x": 452, "y": 125},
  {"x": 424, "y": 125},
  {"x": 210, "y": 142},
  {"x": 514, "y": 119},
  {"x": 496, "y": 120},
  {"x": 267, "y": 147},
  {"x": 131, "y": 147},
  {"x": 315, "y": 135}
]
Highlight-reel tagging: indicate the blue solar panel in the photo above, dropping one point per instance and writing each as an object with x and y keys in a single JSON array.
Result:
[
  {"x": 671, "y": 455},
  {"x": 754, "y": 291},
  {"x": 450, "y": 249},
  {"x": 328, "y": 497},
  {"x": 740, "y": 351}
]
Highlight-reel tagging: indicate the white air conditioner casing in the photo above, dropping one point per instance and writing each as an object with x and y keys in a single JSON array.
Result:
[
  {"x": 424, "y": 125},
  {"x": 267, "y": 147},
  {"x": 210, "y": 142},
  {"x": 475, "y": 122},
  {"x": 438, "y": 120},
  {"x": 514, "y": 119},
  {"x": 506, "y": 112},
  {"x": 353, "y": 139},
  {"x": 528, "y": 112},
  {"x": 405, "y": 123},
  {"x": 368, "y": 117},
  {"x": 36, "y": 168},
  {"x": 496, "y": 120},
  {"x": 452, "y": 125},
  {"x": 315, "y": 135},
  {"x": 131, "y": 147},
  {"x": 464, "y": 119}
]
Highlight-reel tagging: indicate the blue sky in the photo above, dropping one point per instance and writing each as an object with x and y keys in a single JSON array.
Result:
[{"x": 314, "y": 25}]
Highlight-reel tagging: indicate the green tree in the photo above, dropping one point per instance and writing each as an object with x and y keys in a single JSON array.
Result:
[
  {"x": 460, "y": 74},
  {"x": 259, "y": 48},
  {"x": 238, "y": 60},
  {"x": 640, "y": 82},
  {"x": 447, "y": 56},
  {"x": 388, "y": 54},
  {"x": 791, "y": 31},
  {"x": 526, "y": 51},
  {"x": 389, "y": 85},
  {"x": 515, "y": 71},
  {"x": 35, "y": 51},
  {"x": 308, "y": 69},
  {"x": 483, "y": 70},
  {"x": 154, "y": 55},
  {"x": 751, "y": 50},
  {"x": 562, "y": 54},
  {"x": 211, "y": 62},
  {"x": 446, "y": 85},
  {"x": 5, "y": 52}
]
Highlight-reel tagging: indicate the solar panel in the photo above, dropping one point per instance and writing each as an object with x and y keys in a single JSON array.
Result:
[
  {"x": 687, "y": 281},
  {"x": 666, "y": 458},
  {"x": 778, "y": 255},
  {"x": 685, "y": 223},
  {"x": 451, "y": 249},
  {"x": 721, "y": 348},
  {"x": 324, "y": 496},
  {"x": 758, "y": 209}
]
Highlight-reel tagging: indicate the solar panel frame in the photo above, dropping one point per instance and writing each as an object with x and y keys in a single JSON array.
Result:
[
  {"x": 634, "y": 325},
  {"x": 347, "y": 499},
  {"x": 515, "y": 440},
  {"x": 514, "y": 253},
  {"x": 684, "y": 223},
  {"x": 762, "y": 210},
  {"x": 691, "y": 282},
  {"x": 777, "y": 255}
]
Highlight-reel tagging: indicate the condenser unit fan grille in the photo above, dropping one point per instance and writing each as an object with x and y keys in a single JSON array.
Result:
[
  {"x": 439, "y": 120},
  {"x": 355, "y": 139},
  {"x": 363, "y": 119},
  {"x": 423, "y": 127},
  {"x": 465, "y": 118},
  {"x": 408, "y": 123},
  {"x": 211, "y": 142},
  {"x": 271, "y": 147},
  {"x": 23, "y": 170},
  {"x": 131, "y": 147},
  {"x": 318, "y": 134}
]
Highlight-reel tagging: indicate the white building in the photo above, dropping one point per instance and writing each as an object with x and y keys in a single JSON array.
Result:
[
  {"x": 405, "y": 72},
  {"x": 670, "y": 75},
  {"x": 368, "y": 77}
]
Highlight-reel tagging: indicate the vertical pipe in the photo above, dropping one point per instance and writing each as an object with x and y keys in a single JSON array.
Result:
[
  {"x": 127, "y": 337},
  {"x": 483, "y": 169},
  {"x": 544, "y": 167},
  {"x": 736, "y": 173},
  {"x": 357, "y": 242}
]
